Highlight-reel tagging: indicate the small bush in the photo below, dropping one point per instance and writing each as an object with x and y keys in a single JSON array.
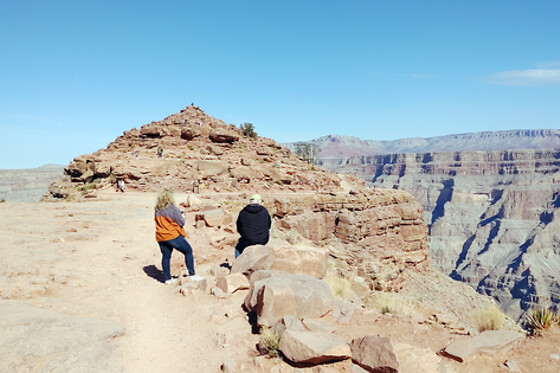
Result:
[
  {"x": 386, "y": 309},
  {"x": 540, "y": 319},
  {"x": 248, "y": 130},
  {"x": 489, "y": 318},
  {"x": 2, "y": 200},
  {"x": 269, "y": 342}
]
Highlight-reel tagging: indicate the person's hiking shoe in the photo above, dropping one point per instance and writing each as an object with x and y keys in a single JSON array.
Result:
[
  {"x": 196, "y": 278},
  {"x": 171, "y": 281}
]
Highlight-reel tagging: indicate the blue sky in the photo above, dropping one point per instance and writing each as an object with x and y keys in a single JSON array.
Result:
[{"x": 75, "y": 74}]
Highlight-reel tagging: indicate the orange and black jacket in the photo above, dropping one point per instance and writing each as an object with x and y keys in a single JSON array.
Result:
[{"x": 169, "y": 223}]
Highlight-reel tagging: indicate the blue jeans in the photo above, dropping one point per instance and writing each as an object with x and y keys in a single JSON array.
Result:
[{"x": 181, "y": 244}]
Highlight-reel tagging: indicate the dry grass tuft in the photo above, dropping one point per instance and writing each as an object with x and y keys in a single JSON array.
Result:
[
  {"x": 489, "y": 318},
  {"x": 390, "y": 303},
  {"x": 340, "y": 287}
]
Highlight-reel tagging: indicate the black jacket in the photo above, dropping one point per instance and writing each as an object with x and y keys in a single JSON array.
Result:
[{"x": 253, "y": 224}]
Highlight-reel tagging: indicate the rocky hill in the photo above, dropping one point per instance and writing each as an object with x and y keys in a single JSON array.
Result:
[
  {"x": 28, "y": 185},
  {"x": 491, "y": 214},
  {"x": 191, "y": 150}
]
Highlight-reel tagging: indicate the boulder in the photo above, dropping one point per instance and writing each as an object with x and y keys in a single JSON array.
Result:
[
  {"x": 253, "y": 258},
  {"x": 210, "y": 168},
  {"x": 215, "y": 217},
  {"x": 231, "y": 283},
  {"x": 222, "y": 135},
  {"x": 287, "y": 323},
  {"x": 374, "y": 354},
  {"x": 281, "y": 256},
  {"x": 312, "y": 261},
  {"x": 490, "y": 341},
  {"x": 285, "y": 294},
  {"x": 308, "y": 347}
]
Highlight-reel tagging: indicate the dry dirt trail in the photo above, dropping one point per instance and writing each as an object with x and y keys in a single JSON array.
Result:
[{"x": 99, "y": 260}]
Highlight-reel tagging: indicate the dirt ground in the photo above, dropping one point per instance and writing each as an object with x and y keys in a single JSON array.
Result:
[{"x": 97, "y": 261}]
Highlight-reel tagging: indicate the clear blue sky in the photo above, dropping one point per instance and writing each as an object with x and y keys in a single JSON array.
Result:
[{"x": 75, "y": 74}]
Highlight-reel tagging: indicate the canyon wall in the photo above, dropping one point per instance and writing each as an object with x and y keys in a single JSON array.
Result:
[{"x": 492, "y": 216}]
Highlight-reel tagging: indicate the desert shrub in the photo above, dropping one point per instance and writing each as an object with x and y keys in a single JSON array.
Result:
[
  {"x": 248, "y": 130},
  {"x": 489, "y": 318},
  {"x": 539, "y": 319},
  {"x": 269, "y": 342},
  {"x": 386, "y": 309},
  {"x": 2, "y": 200},
  {"x": 340, "y": 287}
]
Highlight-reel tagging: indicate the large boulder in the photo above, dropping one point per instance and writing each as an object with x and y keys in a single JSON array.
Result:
[
  {"x": 490, "y": 341},
  {"x": 222, "y": 135},
  {"x": 306, "y": 347},
  {"x": 281, "y": 256},
  {"x": 375, "y": 354},
  {"x": 284, "y": 294},
  {"x": 253, "y": 258},
  {"x": 312, "y": 261}
]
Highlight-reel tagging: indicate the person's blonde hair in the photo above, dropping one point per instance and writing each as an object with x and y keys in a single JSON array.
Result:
[{"x": 165, "y": 199}]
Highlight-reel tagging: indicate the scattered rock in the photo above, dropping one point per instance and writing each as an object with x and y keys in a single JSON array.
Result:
[
  {"x": 313, "y": 347},
  {"x": 490, "y": 342},
  {"x": 374, "y": 354}
]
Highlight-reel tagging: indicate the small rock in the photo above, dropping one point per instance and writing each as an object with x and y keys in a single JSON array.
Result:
[
  {"x": 228, "y": 366},
  {"x": 511, "y": 366}
]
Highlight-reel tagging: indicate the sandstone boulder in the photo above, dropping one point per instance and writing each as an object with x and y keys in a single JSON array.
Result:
[
  {"x": 285, "y": 294},
  {"x": 281, "y": 256},
  {"x": 313, "y": 347},
  {"x": 216, "y": 217},
  {"x": 231, "y": 283},
  {"x": 490, "y": 342},
  {"x": 312, "y": 261},
  {"x": 374, "y": 354},
  {"x": 253, "y": 258},
  {"x": 222, "y": 135}
]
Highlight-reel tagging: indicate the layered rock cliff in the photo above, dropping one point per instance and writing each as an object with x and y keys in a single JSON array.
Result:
[
  {"x": 376, "y": 234},
  {"x": 492, "y": 216}
]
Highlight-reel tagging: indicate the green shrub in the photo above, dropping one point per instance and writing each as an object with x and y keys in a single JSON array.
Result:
[
  {"x": 539, "y": 319},
  {"x": 489, "y": 318},
  {"x": 248, "y": 130},
  {"x": 269, "y": 342},
  {"x": 2, "y": 200}
]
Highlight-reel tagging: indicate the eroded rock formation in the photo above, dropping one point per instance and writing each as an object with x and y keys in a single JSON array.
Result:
[{"x": 491, "y": 216}]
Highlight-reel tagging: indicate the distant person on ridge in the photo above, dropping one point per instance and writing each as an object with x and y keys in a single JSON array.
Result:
[
  {"x": 170, "y": 234},
  {"x": 253, "y": 224}
]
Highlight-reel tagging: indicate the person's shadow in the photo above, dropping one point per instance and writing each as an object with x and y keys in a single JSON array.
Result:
[{"x": 154, "y": 273}]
